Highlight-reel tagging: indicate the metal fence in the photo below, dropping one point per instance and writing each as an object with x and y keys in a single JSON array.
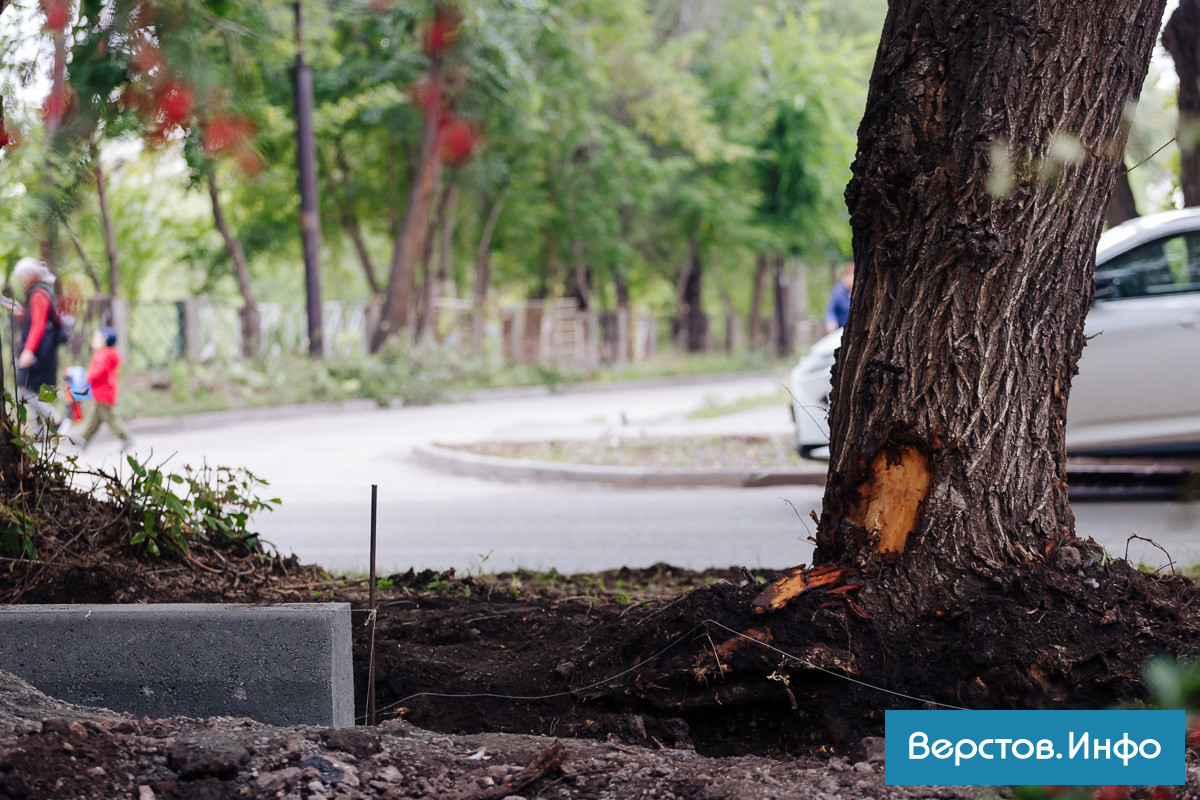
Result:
[{"x": 536, "y": 332}]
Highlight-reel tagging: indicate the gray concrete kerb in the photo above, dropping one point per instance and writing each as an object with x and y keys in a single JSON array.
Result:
[
  {"x": 284, "y": 664},
  {"x": 459, "y": 462}
]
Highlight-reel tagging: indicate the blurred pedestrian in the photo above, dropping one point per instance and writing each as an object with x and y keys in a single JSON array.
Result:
[
  {"x": 838, "y": 308},
  {"x": 37, "y": 343},
  {"x": 104, "y": 375}
]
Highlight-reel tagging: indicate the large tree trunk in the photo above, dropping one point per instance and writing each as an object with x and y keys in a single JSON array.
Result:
[
  {"x": 251, "y": 325},
  {"x": 400, "y": 301},
  {"x": 1181, "y": 38},
  {"x": 950, "y": 388}
]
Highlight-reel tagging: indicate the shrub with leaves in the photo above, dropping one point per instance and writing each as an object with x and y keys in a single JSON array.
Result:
[{"x": 211, "y": 504}]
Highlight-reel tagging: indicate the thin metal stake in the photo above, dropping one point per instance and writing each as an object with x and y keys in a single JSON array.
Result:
[{"x": 371, "y": 601}]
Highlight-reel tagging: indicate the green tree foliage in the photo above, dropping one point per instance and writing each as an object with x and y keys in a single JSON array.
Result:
[{"x": 620, "y": 142}]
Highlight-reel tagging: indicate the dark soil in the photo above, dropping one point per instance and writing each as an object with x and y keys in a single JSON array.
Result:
[{"x": 657, "y": 658}]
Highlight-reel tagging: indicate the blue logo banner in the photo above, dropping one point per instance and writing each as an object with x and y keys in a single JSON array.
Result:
[{"x": 991, "y": 748}]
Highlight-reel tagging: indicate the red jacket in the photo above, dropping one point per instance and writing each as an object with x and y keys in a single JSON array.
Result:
[{"x": 103, "y": 374}]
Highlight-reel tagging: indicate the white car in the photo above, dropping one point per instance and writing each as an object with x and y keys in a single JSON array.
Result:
[{"x": 1138, "y": 387}]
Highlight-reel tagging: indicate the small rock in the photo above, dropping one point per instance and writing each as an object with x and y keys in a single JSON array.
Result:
[
  {"x": 870, "y": 749},
  {"x": 277, "y": 780},
  {"x": 863, "y": 768},
  {"x": 1069, "y": 558},
  {"x": 146, "y": 793},
  {"x": 358, "y": 743},
  {"x": 98, "y": 772},
  {"x": 565, "y": 669},
  {"x": 838, "y": 764},
  {"x": 389, "y": 774},
  {"x": 206, "y": 755},
  {"x": 316, "y": 787}
]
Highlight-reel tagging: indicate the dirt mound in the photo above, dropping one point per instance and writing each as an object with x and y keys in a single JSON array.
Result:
[{"x": 700, "y": 669}]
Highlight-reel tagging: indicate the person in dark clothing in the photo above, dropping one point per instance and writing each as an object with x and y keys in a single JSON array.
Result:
[
  {"x": 838, "y": 308},
  {"x": 37, "y": 341}
]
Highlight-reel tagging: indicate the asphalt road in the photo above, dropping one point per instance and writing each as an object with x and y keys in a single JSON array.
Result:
[{"x": 322, "y": 465}]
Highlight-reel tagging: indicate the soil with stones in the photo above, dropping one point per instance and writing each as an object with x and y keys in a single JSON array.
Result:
[{"x": 659, "y": 682}]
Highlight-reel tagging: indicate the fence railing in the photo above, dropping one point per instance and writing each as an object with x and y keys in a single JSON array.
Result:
[{"x": 550, "y": 333}]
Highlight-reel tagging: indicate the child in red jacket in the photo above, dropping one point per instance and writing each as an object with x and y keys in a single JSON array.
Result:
[{"x": 103, "y": 374}]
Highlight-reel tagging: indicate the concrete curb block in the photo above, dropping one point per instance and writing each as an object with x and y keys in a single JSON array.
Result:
[
  {"x": 283, "y": 664},
  {"x": 458, "y": 462},
  {"x": 1096, "y": 477}
]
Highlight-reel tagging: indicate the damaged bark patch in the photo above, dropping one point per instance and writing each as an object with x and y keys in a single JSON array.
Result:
[
  {"x": 794, "y": 583},
  {"x": 889, "y": 500}
]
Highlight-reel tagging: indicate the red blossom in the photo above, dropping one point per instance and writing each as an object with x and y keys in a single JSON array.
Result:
[
  {"x": 175, "y": 102},
  {"x": 1111, "y": 793},
  {"x": 442, "y": 30},
  {"x": 226, "y": 132},
  {"x": 57, "y": 13},
  {"x": 457, "y": 140},
  {"x": 4, "y": 138},
  {"x": 1161, "y": 793}
]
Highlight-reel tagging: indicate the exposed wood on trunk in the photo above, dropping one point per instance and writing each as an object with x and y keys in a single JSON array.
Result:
[
  {"x": 348, "y": 217},
  {"x": 794, "y": 583},
  {"x": 1181, "y": 38},
  {"x": 1121, "y": 205},
  {"x": 967, "y": 315},
  {"x": 110, "y": 237},
  {"x": 889, "y": 502},
  {"x": 483, "y": 266},
  {"x": 251, "y": 327}
]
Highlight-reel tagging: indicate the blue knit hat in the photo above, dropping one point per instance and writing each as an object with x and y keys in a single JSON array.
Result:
[{"x": 109, "y": 334}]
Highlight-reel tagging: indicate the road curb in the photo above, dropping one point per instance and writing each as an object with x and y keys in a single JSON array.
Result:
[
  {"x": 459, "y": 462},
  {"x": 1090, "y": 478}
]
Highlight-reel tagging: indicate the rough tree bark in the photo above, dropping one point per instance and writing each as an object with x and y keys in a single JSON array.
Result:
[
  {"x": 966, "y": 323},
  {"x": 251, "y": 326},
  {"x": 1181, "y": 38}
]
